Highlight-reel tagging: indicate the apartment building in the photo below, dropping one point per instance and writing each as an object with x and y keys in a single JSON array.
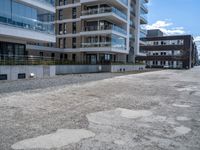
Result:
[
  {"x": 168, "y": 51},
  {"x": 23, "y": 23},
  {"x": 100, "y": 31}
]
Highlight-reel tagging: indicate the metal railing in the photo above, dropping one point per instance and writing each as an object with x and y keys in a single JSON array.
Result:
[
  {"x": 37, "y": 60},
  {"x": 25, "y": 60}
]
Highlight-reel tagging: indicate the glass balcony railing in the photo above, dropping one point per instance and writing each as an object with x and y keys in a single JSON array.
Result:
[
  {"x": 49, "y": 2},
  {"x": 144, "y": 18},
  {"x": 105, "y": 10},
  {"x": 145, "y": 8},
  {"x": 124, "y": 2},
  {"x": 27, "y": 23},
  {"x": 108, "y": 27},
  {"x": 143, "y": 30}
]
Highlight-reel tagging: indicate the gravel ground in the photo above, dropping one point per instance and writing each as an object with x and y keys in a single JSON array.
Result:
[
  {"x": 152, "y": 111},
  {"x": 33, "y": 84}
]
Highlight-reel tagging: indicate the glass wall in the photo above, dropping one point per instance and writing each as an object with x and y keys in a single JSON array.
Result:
[{"x": 20, "y": 15}]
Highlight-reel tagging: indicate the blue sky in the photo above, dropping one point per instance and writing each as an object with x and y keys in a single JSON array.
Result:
[{"x": 175, "y": 16}]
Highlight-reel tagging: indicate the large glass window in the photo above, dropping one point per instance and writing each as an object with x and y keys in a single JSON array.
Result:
[{"x": 5, "y": 8}]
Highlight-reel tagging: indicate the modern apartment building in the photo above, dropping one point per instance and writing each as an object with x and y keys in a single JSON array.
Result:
[
  {"x": 23, "y": 23},
  {"x": 101, "y": 31},
  {"x": 168, "y": 51}
]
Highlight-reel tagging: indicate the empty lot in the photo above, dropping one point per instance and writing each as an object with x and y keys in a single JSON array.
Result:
[{"x": 151, "y": 111}]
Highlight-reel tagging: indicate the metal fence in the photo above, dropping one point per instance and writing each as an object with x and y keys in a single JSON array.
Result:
[{"x": 25, "y": 60}]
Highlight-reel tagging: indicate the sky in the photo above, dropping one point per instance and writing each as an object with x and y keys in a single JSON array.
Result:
[{"x": 175, "y": 17}]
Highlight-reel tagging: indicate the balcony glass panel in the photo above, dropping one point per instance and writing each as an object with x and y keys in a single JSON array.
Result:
[
  {"x": 112, "y": 41},
  {"x": 22, "y": 16},
  {"x": 109, "y": 27},
  {"x": 105, "y": 10},
  {"x": 51, "y": 2},
  {"x": 124, "y": 2}
]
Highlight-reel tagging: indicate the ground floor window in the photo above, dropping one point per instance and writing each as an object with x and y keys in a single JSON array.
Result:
[{"x": 12, "y": 50}]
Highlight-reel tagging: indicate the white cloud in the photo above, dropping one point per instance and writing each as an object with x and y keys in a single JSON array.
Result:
[
  {"x": 197, "y": 39},
  {"x": 166, "y": 27}
]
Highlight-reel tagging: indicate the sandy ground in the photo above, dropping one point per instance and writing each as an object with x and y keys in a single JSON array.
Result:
[{"x": 149, "y": 111}]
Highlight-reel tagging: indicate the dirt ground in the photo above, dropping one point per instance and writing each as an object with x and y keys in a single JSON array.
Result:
[{"x": 148, "y": 111}]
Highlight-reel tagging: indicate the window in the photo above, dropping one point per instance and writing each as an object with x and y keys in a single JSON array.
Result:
[
  {"x": 61, "y": 56},
  {"x": 60, "y": 14},
  {"x": 3, "y": 77},
  {"x": 64, "y": 43},
  {"x": 60, "y": 2},
  {"x": 65, "y": 2},
  {"x": 74, "y": 13},
  {"x": 60, "y": 29},
  {"x": 52, "y": 56},
  {"x": 21, "y": 76},
  {"x": 155, "y": 43},
  {"x": 74, "y": 27},
  {"x": 65, "y": 57},
  {"x": 41, "y": 55},
  {"x": 73, "y": 42},
  {"x": 73, "y": 57}
]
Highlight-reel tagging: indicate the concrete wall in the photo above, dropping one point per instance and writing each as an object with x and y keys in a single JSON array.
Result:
[
  {"x": 70, "y": 69},
  {"x": 39, "y": 71},
  {"x": 123, "y": 68}
]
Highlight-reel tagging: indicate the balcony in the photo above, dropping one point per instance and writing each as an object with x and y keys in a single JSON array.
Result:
[
  {"x": 104, "y": 10},
  {"x": 144, "y": 8},
  {"x": 64, "y": 3},
  {"x": 143, "y": 19},
  {"x": 118, "y": 3},
  {"x": 47, "y": 5},
  {"x": 27, "y": 28},
  {"x": 103, "y": 47},
  {"x": 29, "y": 24},
  {"x": 124, "y": 2},
  {"x": 95, "y": 29},
  {"x": 47, "y": 2}
]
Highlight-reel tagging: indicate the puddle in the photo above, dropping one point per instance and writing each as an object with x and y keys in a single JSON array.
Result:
[
  {"x": 182, "y": 106},
  {"x": 182, "y": 130},
  {"x": 133, "y": 114},
  {"x": 58, "y": 139},
  {"x": 180, "y": 118},
  {"x": 114, "y": 117}
]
